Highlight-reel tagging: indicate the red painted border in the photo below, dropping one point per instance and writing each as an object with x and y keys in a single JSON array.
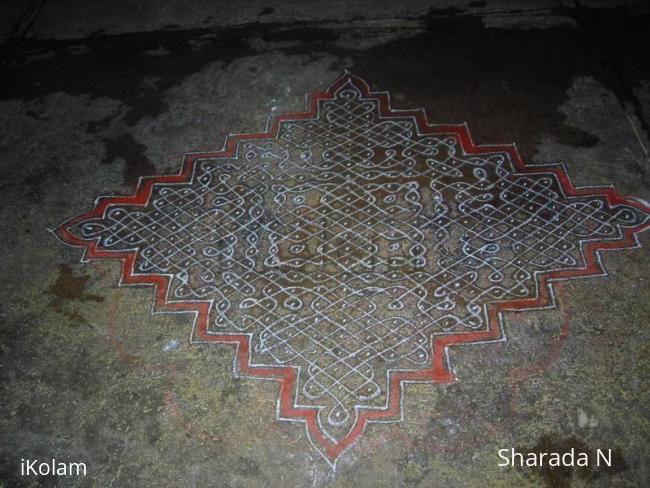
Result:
[{"x": 438, "y": 372}]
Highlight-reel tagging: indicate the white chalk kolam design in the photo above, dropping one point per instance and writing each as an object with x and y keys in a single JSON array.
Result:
[{"x": 349, "y": 246}]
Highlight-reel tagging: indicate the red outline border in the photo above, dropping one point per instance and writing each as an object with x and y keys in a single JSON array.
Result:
[{"x": 439, "y": 371}]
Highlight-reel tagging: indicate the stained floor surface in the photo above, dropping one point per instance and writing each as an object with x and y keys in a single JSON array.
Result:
[{"x": 93, "y": 99}]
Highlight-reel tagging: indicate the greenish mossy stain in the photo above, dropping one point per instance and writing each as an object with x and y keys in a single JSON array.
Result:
[
  {"x": 247, "y": 466},
  {"x": 413, "y": 466},
  {"x": 232, "y": 389}
]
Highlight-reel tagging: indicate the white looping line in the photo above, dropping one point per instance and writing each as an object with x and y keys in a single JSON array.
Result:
[{"x": 344, "y": 245}]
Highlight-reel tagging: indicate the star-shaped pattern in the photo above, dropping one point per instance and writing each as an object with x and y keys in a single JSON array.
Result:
[{"x": 346, "y": 248}]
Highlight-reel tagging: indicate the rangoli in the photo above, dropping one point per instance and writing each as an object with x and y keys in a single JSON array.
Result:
[{"x": 344, "y": 250}]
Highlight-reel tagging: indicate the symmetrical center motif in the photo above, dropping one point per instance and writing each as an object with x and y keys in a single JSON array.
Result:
[{"x": 346, "y": 248}]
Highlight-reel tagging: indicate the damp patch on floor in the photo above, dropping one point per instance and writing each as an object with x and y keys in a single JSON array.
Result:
[{"x": 347, "y": 248}]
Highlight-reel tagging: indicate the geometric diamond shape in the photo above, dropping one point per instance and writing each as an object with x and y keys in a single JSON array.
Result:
[{"x": 348, "y": 247}]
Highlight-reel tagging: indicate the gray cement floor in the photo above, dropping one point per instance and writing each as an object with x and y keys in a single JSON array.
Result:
[{"x": 96, "y": 94}]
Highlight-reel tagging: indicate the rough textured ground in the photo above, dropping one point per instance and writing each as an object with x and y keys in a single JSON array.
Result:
[{"x": 94, "y": 96}]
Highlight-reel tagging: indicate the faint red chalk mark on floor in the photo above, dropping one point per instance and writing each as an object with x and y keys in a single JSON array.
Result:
[{"x": 168, "y": 370}]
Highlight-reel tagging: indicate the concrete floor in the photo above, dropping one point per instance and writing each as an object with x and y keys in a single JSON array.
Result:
[{"x": 97, "y": 94}]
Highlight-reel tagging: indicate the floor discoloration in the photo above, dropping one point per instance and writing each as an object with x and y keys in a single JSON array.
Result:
[
  {"x": 346, "y": 249},
  {"x": 563, "y": 476},
  {"x": 565, "y": 85},
  {"x": 69, "y": 286}
]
